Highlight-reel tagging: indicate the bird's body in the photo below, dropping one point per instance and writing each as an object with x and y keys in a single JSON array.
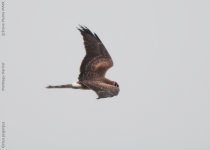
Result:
[{"x": 93, "y": 68}]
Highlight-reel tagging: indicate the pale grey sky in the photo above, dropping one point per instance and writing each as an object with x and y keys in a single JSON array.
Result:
[{"x": 161, "y": 53}]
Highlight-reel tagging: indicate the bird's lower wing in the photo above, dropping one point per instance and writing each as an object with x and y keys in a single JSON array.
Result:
[{"x": 102, "y": 89}]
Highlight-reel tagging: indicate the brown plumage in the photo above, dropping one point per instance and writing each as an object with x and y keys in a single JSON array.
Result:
[{"x": 94, "y": 67}]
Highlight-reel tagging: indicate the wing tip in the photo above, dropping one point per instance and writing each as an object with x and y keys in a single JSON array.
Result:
[{"x": 85, "y": 30}]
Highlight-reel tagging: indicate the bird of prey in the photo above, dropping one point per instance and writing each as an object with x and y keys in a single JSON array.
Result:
[{"x": 94, "y": 67}]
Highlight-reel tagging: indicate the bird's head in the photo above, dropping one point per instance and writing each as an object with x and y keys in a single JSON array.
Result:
[{"x": 116, "y": 84}]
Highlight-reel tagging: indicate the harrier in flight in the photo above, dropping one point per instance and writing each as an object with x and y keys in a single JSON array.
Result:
[{"x": 94, "y": 67}]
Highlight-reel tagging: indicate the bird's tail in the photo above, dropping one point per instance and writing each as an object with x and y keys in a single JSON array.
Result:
[{"x": 61, "y": 86}]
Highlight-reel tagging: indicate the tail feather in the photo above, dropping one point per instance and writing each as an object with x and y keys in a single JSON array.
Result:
[{"x": 61, "y": 86}]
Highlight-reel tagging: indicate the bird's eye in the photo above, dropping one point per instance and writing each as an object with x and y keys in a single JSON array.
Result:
[{"x": 115, "y": 84}]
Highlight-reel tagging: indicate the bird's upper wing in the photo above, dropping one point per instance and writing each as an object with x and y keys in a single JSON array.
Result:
[
  {"x": 97, "y": 59},
  {"x": 102, "y": 89}
]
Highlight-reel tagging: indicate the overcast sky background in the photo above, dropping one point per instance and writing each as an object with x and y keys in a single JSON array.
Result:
[{"x": 161, "y": 54}]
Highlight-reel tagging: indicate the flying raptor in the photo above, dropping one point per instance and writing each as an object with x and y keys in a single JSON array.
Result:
[{"x": 94, "y": 67}]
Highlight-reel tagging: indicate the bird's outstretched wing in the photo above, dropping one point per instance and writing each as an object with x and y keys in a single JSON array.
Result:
[
  {"x": 97, "y": 59},
  {"x": 102, "y": 89}
]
